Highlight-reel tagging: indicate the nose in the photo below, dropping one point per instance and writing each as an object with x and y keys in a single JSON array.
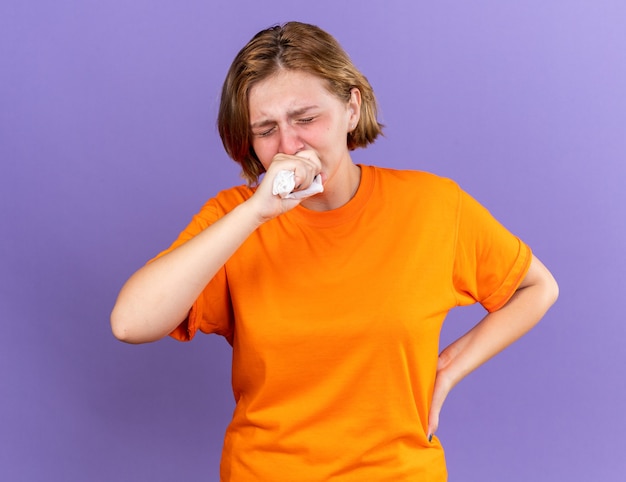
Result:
[{"x": 290, "y": 142}]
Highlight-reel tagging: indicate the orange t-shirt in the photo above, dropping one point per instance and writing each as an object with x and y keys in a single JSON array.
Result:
[{"x": 334, "y": 318}]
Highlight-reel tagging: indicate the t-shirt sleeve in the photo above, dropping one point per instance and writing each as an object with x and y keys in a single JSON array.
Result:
[
  {"x": 490, "y": 262},
  {"x": 212, "y": 310}
]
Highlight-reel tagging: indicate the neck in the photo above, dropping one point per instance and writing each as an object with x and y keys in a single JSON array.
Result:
[{"x": 338, "y": 190}]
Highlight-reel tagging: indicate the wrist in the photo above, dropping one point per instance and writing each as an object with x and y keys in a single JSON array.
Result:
[{"x": 250, "y": 214}]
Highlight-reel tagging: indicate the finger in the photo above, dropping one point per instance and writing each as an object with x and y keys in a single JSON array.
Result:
[
  {"x": 304, "y": 179},
  {"x": 311, "y": 157},
  {"x": 306, "y": 171},
  {"x": 305, "y": 164},
  {"x": 433, "y": 422},
  {"x": 314, "y": 188},
  {"x": 306, "y": 157},
  {"x": 440, "y": 392}
]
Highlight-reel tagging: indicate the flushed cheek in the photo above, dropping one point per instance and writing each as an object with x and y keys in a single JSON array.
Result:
[{"x": 264, "y": 154}]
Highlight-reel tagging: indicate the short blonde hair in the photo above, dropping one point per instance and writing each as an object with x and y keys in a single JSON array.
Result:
[{"x": 292, "y": 46}]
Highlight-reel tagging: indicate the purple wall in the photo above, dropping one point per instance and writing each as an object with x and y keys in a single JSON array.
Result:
[{"x": 108, "y": 145}]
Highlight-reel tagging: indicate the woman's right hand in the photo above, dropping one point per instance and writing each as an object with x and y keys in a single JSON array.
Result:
[{"x": 305, "y": 165}]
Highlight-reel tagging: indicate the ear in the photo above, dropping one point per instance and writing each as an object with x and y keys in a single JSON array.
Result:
[{"x": 354, "y": 108}]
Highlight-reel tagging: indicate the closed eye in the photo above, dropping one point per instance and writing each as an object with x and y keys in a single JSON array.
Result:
[{"x": 265, "y": 133}]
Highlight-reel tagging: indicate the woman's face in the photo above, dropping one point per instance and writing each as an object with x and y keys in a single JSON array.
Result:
[{"x": 293, "y": 111}]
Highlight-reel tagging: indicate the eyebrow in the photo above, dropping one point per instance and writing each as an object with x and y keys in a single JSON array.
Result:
[{"x": 292, "y": 113}]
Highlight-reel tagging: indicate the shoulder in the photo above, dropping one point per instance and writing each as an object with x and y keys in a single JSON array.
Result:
[
  {"x": 224, "y": 202},
  {"x": 232, "y": 197},
  {"x": 414, "y": 182}
]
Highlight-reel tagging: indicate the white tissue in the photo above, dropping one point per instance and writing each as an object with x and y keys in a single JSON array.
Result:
[{"x": 285, "y": 183}]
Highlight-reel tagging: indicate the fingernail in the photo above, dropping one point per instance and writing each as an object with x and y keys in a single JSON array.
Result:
[{"x": 430, "y": 437}]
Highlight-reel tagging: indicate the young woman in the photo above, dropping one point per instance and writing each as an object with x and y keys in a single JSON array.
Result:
[{"x": 333, "y": 301}]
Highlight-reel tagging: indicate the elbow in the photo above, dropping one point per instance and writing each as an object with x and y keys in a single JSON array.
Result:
[
  {"x": 118, "y": 326},
  {"x": 549, "y": 289},
  {"x": 130, "y": 326},
  {"x": 545, "y": 287},
  {"x": 553, "y": 290},
  {"x": 121, "y": 326}
]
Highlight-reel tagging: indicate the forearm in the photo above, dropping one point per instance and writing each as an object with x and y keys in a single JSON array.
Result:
[{"x": 157, "y": 298}]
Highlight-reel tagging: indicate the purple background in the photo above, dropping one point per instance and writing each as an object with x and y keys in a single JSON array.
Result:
[{"x": 108, "y": 145}]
